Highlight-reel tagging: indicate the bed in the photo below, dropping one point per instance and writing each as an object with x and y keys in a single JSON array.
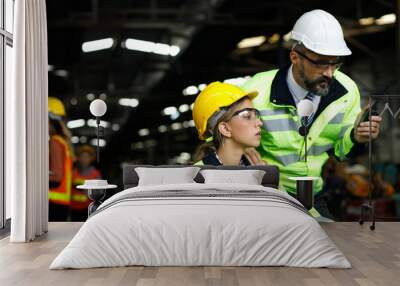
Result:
[{"x": 201, "y": 223}]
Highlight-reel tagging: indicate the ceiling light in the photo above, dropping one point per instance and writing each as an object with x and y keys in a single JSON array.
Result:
[
  {"x": 162, "y": 128},
  {"x": 366, "y": 21},
  {"x": 139, "y": 45},
  {"x": 251, "y": 42},
  {"x": 92, "y": 123},
  {"x": 151, "y": 47},
  {"x": 103, "y": 96},
  {"x": 61, "y": 73},
  {"x": 237, "y": 80},
  {"x": 190, "y": 90},
  {"x": 161, "y": 49},
  {"x": 274, "y": 38},
  {"x": 90, "y": 96},
  {"x": 74, "y": 101},
  {"x": 176, "y": 126},
  {"x": 185, "y": 155},
  {"x": 115, "y": 127},
  {"x": 144, "y": 132},
  {"x": 287, "y": 37},
  {"x": 83, "y": 139},
  {"x": 386, "y": 19},
  {"x": 175, "y": 116},
  {"x": 184, "y": 108},
  {"x": 97, "y": 45},
  {"x": 174, "y": 50},
  {"x": 74, "y": 139},
  {"x": 201, "y": 86},
  {"x": 183, "y": 158},
  {"x": 132, "y": 102},
  {"x": 76, "y": 123},
  {"x": 169, "y": 110},
  {"x": 102, "y": 142}
]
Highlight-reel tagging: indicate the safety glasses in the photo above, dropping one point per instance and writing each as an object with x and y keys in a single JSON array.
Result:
[
  {"x": 322, "y": 65},
  {"x": 250, "y": 114}
]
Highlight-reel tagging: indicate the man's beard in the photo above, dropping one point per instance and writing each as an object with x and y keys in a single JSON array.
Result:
[{"x": 313, "y": 85}]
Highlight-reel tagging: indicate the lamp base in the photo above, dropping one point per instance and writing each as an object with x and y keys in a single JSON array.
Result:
[
  {"x": 304, "y": 190},
  {"x": 304, "y": 193},
  {"x": 370, "y": 208},
  {"x": 96, "y": 195}
]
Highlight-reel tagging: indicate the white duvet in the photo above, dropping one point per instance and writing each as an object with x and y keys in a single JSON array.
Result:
[{"x": 207, "y": 230}]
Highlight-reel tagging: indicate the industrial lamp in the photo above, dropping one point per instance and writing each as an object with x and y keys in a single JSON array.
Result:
[
  {"x": 304, "y": 185},
  {"x": 304, "y": 109},
  {"x": 98, "y": 108},
  {"x": 96, "y": 188}
]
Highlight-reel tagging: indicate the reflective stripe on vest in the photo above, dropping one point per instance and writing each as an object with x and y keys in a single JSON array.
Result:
[
  {"x": 282, "y": 145},
  {"x": 285, "y": 124},
  {"x": 62, "y": 193},
  {"x": 273, "y": 112}
]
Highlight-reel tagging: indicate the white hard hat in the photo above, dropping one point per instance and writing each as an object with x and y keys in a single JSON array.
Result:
[{"x": 321, "y": 33}]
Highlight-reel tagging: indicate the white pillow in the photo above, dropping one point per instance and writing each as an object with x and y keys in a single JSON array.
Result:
[
  {"x": 166, "y": 176},
  {"x": 248, "y": 177}
]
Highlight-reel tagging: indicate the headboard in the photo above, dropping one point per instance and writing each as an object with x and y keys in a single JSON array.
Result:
[{"x": 270, "y": 179}]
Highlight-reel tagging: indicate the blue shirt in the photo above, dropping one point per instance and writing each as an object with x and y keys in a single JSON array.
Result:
[{"x": 298, "y": 92}]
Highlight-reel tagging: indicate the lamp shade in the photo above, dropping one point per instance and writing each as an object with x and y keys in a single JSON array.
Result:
[
  {"x": 98, "y": 107},
  {"x": 305, "y": 108}
]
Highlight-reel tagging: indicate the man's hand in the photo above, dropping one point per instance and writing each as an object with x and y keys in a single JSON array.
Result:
[
  {"x": 361, "y": 133},
  {"x": 254, "y": 157}
]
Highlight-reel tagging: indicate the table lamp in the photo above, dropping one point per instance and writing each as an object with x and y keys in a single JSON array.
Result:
[{"x": 98, "y": 108}]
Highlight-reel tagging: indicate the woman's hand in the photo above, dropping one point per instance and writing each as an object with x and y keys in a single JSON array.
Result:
[{"x": 254, "y": 157}]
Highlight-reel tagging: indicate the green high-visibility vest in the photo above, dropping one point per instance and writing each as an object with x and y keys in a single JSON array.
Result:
[{"x": 281, "y": 143}]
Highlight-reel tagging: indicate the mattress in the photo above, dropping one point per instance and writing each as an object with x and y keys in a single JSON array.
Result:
[{"x": 201, "y": 225}]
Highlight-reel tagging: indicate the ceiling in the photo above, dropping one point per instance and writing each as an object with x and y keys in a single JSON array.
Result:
[{"x": 207, "y": 32}]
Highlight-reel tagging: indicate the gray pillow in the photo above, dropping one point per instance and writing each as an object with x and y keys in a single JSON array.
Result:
[
  {"x": 248, "y": 177},
  {"x": 166, "y": 176}
]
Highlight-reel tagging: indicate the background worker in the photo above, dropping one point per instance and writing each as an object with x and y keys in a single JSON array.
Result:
[
  {"x": 83, "y": 170},
  {"x": 60, "y": 162},
  {"x": 226, "y": 113},
  {"x": 316, "y": 56}
]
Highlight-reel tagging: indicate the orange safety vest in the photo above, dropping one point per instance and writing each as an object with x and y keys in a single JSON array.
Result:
[
  {"x": 79, "y": 198},
  {"x": 62, "y": 194}
]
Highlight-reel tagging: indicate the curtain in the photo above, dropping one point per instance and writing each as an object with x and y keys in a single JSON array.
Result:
[{"x": 27, "y": 123}]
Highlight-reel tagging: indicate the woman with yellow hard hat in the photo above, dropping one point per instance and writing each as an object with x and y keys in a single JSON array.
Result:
[
  {"x": 83, "y": 170},
  {"x": 60, "y": 162},
  {"x": 225, "y": 112}
]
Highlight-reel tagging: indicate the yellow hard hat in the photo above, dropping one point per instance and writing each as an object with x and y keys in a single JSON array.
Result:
[
  {"x": 212, "y": 99},
  {"x": 86, "y": 149},
  {"x": 56, "y": 107}
]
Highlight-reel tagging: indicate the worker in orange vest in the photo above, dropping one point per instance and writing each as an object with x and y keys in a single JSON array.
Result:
[
  {"x": 60, "y": 162},
  {"x": 83, "y": 170}
]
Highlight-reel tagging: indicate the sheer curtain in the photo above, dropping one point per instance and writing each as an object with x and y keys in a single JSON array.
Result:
[{"x": 27, "y": 123}]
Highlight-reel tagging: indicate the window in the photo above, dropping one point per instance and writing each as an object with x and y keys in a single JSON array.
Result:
[{"x": 6, "y": 43}]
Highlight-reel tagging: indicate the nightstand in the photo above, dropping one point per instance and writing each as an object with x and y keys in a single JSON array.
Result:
[{"x": 96, "y": 192}]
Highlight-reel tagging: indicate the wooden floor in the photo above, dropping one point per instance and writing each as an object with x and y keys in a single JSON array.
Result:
[{"x": 375, "y": 256}]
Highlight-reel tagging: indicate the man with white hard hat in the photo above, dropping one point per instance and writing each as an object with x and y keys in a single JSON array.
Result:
[{"x": 317, "y": 53}]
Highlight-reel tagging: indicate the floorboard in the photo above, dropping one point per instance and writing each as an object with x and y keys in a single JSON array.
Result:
[{"x": 374, "y": 255}]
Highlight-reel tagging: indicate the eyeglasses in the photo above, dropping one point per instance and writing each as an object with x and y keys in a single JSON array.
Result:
[
  {"x": 322, "y": 65},
  {"x": 250, "y": 114}
]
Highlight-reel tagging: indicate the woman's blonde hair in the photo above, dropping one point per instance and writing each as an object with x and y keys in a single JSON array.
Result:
[{"x": 218, "y": 138}]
